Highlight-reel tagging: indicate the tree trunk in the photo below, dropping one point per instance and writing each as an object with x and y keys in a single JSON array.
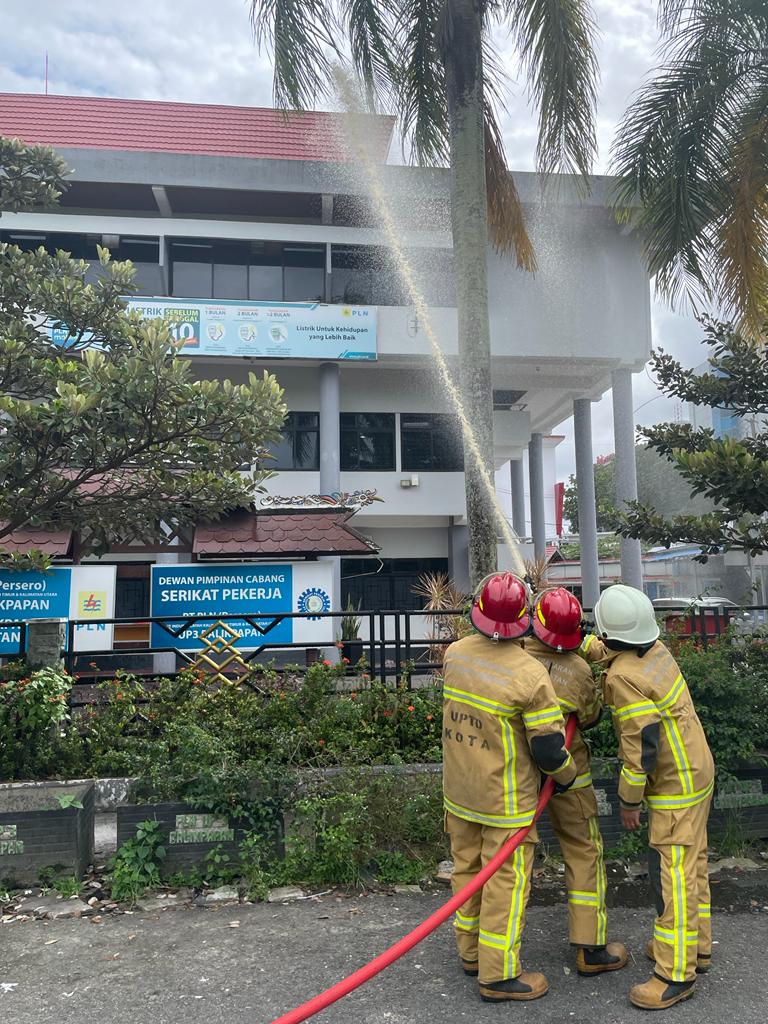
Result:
[{"x": 462, "y": 56}]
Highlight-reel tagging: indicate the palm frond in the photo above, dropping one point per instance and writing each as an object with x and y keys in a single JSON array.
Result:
[
  {"x": 741, "y": 251},
  {"x": 506, "y": 220},
  {"x": 674, "y": 153},
  {"x": 298, "y": 33},
  {"x": 556, "y": 40},
  {"x": 369, "y": 27},
  {"x": 421, "y": 81}
]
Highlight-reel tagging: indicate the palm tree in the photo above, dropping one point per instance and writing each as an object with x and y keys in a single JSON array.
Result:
[
  {"x": 693, "y": 147},
  {"x": 435, "y": 64}
]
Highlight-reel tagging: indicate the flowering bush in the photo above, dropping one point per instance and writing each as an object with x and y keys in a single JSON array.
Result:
[{"x": 33, "y": 709}]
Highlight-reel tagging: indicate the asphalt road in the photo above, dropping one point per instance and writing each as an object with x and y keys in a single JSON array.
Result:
[{"x": 189, "y": 966}]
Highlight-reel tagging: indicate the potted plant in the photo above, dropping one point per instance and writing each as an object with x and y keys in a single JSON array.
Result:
[{"x": 351, "y": 644}]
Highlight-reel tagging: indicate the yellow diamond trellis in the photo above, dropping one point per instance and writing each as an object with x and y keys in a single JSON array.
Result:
[{"x": 220, "y": 652}]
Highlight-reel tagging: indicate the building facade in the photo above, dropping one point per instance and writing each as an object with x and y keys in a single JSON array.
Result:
[{"x": 219, "y": 205}]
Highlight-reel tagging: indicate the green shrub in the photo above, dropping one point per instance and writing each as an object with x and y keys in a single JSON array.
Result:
[
  {"x": 34, "y": 709},
  {"x": 136, "y": 865}
]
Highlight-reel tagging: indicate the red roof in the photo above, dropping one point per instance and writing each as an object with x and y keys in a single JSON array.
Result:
[
  {"x": 203, "y": 129},
  {"x": 248, "y": 534},
  {"x": 54, "y": 543}
]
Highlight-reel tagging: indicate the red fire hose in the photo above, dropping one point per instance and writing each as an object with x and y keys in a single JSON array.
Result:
[{"x": 371, "y": 969}]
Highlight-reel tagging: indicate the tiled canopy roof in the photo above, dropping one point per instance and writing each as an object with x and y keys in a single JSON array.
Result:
[
  {"x": 56, "y": 544},
  {"x": 298, "y": 533},
  {"x": 194, "y": 128}
]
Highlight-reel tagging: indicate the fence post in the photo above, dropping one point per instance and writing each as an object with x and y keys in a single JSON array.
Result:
[
  {"x": 408, "y": 657},
  {"x": 46, "y": 640},
  {"x": 382, "y": 649},
  {"x": 398, "y": 659}
]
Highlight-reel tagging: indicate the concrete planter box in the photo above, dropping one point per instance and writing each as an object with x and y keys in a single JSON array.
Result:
[
  {"x": 36, "y": 832},
  {"x": 190, "y": 834}
]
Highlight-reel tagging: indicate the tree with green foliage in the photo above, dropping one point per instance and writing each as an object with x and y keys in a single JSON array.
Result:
[
  {"x": 435, "y": 64},
  {"x": 660, "y": 486},
  {"x": 732, "y": 473},
  {"x": 693, "y": 148},
  {"x": 106, "y": 432}
]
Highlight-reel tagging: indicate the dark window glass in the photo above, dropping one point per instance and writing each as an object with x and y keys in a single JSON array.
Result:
[
  {"x": 387, "y": 584},
  {"x": 265, "y": 283},
  {"x": 192, "y": 270},
  {"x": 304, "y": 273},
  {"x": 131, "y": 598},
  {"x": 367, "y": 274},
  {"x": 299, "y": 447},
  {"x": 431, "y": 442},
  {"x": 230, "y": 270},
  {"x": 367, "y": 441}
]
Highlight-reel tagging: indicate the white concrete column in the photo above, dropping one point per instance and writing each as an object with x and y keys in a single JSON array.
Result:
[
  {"x": 517, "y": 484},
  {"x": 626, "y": 471},
  {"x": 330, "y": 464},
  {"x": 536, "y": 481},
  {"x": 585, "y": 489}
]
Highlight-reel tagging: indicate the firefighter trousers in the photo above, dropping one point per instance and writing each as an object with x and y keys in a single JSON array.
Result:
[
  {"x": 677, "y": 867},
  {"x": 489, "y": 926},
  {"x": 573, "y": 815}
]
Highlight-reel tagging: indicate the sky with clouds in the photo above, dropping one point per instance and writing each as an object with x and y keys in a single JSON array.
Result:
[{"x": 203, "y": 51}]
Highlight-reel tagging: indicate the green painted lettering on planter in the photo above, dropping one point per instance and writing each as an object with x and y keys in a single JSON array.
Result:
[
  {"x": 740, "y": 793},
  {"x": 201, "y": 828},
  {"x": 11, "y": 847},
  {"x": 8, "y": 831}
]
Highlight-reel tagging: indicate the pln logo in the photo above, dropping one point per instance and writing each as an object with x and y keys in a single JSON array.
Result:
[{"x": 91, "y": 604}]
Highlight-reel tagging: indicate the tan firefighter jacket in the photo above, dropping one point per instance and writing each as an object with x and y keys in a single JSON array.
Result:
[
  {"x": 502, "y": 726},
  {"x": 666, "y": 758},
  {"x": 576, "y": 690}
]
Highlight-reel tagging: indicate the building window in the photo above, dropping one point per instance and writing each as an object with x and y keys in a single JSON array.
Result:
[
  {"x": 261, "y": 271},
  {"x": 367, "y": 441},
  {"x": 430, "y": 442},
  {"x": 300, "y": 444},
  {"x": 144, "y": 253},
  {"x": 367, "y": 275},
  {"x": 388, "y": 584}
]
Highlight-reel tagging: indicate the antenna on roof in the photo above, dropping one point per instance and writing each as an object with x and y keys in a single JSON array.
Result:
[{"x": 46, "y": 72}]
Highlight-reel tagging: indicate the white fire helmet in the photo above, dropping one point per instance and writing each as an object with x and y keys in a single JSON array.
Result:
[{"x": 626, "y": 614}]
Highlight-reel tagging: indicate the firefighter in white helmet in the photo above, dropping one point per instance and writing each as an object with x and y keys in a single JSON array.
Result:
[
  {"x": 502, "y": 727},
  {"x": 557, "y": 635},
  {"x": 668, "y": 765}
]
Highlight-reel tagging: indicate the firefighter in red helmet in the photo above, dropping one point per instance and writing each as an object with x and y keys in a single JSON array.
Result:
[
  {"x": 502, "y": 727},
  {"x": 557, "y": 636}
]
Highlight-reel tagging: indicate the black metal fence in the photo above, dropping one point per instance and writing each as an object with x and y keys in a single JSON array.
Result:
[{"x": 391, "y": 640}]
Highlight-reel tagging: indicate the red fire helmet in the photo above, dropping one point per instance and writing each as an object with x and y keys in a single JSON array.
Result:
[
  {"x": 500, "y": 608},
  {"x": 557, "y": 619}
]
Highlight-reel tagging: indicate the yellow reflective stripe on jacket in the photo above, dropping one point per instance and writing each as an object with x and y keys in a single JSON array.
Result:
[
  {"x": 586, "y": 642},
  {"x": 509, "y": 778},
  {"x": 582, "y": 781},
  {"x": 705, "y": 910},
  {"x": 567, "y": 705},
  {"x": 543, "y": 717},
  {"x": 482, "y": 703},
  {"x": 673, "y": 694},
  {"x": 679, "y": 752},
  {"x": 673, "y": 803},
  {"x": 492, "y": 939},
  {"x": 497, "y": 820},
  {"x": 633, "y": 778},
  {"x": 636, "y": 710}
]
